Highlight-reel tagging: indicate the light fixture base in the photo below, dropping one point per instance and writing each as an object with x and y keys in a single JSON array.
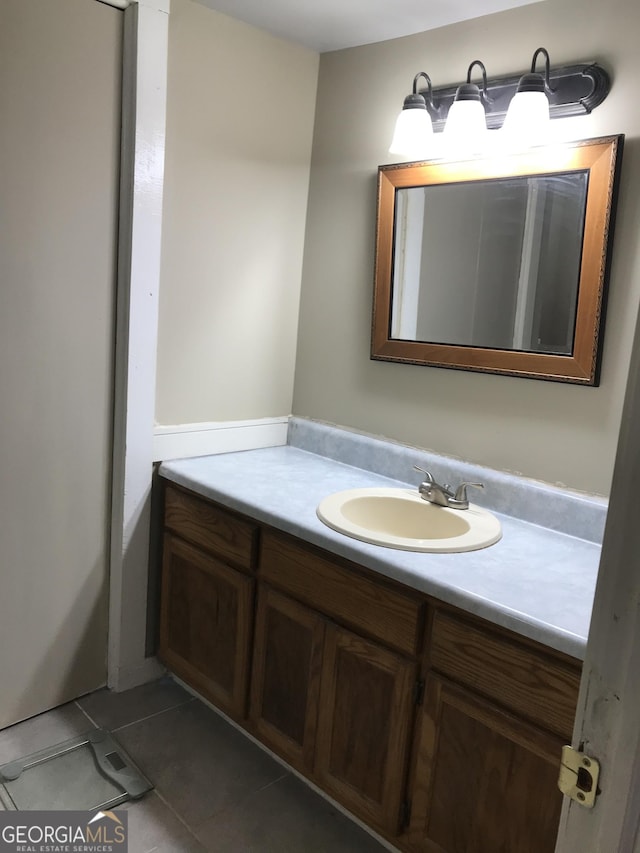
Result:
[{"x": 575, "y": 90}]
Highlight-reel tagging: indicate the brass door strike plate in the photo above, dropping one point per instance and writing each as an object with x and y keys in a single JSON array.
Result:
[{"x": 579, "y": 776}]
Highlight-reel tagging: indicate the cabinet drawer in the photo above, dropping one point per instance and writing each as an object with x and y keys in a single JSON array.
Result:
[
  {"x": 532, "y": 683},
  {"x": 210, "y": 527},
  {"x": 376, "y": 608}
]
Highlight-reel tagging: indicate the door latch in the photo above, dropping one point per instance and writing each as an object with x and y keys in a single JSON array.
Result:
[{"x": 579, "y": 775}]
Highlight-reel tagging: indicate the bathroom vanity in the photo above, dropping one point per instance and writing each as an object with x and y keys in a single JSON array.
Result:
[{"x": 432, "y": 711}]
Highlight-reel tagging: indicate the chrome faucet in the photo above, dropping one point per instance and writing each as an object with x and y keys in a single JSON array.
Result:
[{"x": 444, "y": 495}]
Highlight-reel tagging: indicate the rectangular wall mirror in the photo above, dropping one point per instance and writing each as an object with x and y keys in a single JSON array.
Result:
[{"x": 497, "y": 264}]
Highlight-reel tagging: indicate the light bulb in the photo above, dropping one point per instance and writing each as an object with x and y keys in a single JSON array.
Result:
[
  {"x": 466, "y": 126},
  {"x": 413, "y": 134},
  {"x": 527, "y": 120}
]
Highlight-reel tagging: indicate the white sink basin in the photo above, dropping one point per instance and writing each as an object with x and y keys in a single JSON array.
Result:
[{"x": 400, "y": 518}]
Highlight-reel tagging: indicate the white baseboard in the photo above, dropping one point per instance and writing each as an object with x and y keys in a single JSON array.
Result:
[
  {"x": 133, "y": 675},
  {"x": 186, "y": 440}
]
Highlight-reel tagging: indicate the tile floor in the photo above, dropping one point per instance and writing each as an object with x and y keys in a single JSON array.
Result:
[{"x": 214, "y": 789}]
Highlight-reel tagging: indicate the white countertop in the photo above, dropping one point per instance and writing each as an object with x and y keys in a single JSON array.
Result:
[{"x": 534, "y": 581}]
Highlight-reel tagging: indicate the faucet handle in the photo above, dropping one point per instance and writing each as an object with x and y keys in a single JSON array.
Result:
[
  {"x": 428, "y": 474},
  {"x": 461, "y": 491}
]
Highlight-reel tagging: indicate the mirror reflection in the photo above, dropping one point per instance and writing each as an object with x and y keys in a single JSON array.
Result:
[{"x": 490, "y": 263}]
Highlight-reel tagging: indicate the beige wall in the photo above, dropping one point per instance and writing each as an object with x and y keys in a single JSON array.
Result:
[
  {"x": 239, "y": 128},
  {"x": 554, "y": 432}
]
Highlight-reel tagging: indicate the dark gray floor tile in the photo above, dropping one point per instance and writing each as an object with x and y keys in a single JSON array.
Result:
[
  {"x": 286, "y": 817},
  {"x": 186, "y": 845},
  {"x": 112, "y": 710},
  {"x": 197, "y": 761},
  {"x": 154, "y": 826},
  {"x": 42, "y": 731}
]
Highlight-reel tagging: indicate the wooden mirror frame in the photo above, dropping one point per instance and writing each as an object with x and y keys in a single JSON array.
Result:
[{"x": 601, "y": 158}]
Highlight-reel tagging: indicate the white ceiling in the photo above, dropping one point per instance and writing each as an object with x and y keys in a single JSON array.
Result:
[{"x": 334, "y": 24}]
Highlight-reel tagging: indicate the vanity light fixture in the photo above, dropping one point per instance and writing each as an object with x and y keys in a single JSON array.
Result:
[{"x": 569, "y": 90}]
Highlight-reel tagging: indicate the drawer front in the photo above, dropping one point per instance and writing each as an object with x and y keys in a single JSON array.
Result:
[
  {"x": 531, "y": 683},
  {"x": 211, "y": 528},
  {"x": 364, "y": 604}
]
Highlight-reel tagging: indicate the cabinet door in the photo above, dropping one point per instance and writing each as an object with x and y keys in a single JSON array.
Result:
[
  {"x": 363, "y": 727},
  {"x": 286, "y": 677},
  {"x": 205, "y": 627},
  {"x": 485, "y": 782}
]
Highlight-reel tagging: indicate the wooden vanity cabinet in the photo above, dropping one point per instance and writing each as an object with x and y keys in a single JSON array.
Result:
[
  {"x": 488, "y": 742},
  {"x": 334, "y": 705},
  {"x": 485, "y": 780},
  {"x": 439, "y": 730},
  {"x": 333, "y": 685},
  {"x": 207, "y": 599}
]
